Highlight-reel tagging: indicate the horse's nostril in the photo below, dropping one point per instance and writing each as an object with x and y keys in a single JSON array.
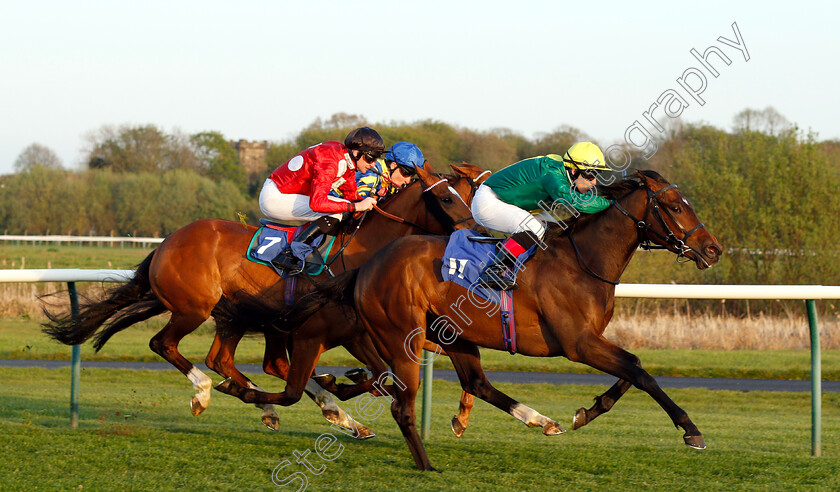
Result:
[{"x": 713, "y": 251}]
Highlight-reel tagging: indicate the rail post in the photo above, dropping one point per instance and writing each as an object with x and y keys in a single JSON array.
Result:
[
  {"x": 75, "y": 365},
  {"x": 816, "y": 380},
  {"x": 427, "y": 395}
]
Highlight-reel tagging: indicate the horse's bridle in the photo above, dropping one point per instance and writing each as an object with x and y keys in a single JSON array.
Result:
[
  {"x": 454, "y": 222},
  {"x": 670, "y": 239},
  {"x": 643, "y": 229}
]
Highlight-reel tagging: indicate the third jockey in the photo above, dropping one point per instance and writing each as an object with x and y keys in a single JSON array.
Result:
[
  {"x": 390, "y": 173},
  {"x": 300, "y": 188}
]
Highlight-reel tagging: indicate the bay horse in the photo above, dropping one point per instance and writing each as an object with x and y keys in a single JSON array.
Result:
[
  {"x": 565, "y": 300},
  {"x": 204, "y": 261}
]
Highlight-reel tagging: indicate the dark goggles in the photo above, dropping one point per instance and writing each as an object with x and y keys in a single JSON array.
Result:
[
  {"x": 589, "y": 174},
  {"x": 580, "y": 168},
  {"x": 371, "y": 156},
  {"x": 406, "y": 171}
]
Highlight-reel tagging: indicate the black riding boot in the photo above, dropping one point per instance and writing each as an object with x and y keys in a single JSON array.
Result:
[
  {"x": 292, "y": 263},
  {"x": 493, "y": 276}
]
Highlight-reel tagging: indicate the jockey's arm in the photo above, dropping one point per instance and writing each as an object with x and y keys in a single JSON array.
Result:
[{"x": 319, "y": 199}]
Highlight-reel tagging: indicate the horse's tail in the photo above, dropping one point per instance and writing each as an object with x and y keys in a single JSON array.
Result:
[
  {"x": 246, "y": 313},
  {"x": 131, "y": 302}
]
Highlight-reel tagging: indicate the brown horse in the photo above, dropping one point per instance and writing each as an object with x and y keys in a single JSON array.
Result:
[
  {"x": 202, "y": 262},
  {"x": 563, "y": 305}
]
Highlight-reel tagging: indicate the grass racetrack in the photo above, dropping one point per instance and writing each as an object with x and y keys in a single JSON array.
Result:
[{"x": 136, "y": 432}]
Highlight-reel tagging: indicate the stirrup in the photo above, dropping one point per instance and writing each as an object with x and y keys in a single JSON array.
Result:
[
  {"x": 496, "y": 281},
  {"x": 289, "y": 262}
]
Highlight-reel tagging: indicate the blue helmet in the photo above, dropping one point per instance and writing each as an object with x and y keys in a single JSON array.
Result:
[{"x": 405, "y": 154}]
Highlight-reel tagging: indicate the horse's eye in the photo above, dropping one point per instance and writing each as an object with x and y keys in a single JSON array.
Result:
[
  {"x": 676, "y": 209},
  {"x": 446, "y": 199}
]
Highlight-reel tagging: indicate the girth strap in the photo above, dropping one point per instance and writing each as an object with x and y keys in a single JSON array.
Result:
[{"x": 508, "y": 323}]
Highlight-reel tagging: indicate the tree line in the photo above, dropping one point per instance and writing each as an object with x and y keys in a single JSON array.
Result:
[{"x": 768, "y": 190}]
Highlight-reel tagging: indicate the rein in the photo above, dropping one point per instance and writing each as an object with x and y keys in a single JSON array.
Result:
[
  {"x": 408, "y": 222},
  {"x": 644, "y": 229},
  {"x": 390, "y": 216}
]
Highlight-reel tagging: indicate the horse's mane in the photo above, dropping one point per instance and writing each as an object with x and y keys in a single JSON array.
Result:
[{"x": 612, "y": 191}]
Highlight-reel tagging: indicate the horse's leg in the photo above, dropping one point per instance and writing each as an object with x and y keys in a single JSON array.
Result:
[
  {"x": 165, "y": 344},
  {"x": 407, "y": 372},
  {"x": 360, "y": 347},
  {"x": 467, "y": 361},
  {"x": 302, "y": 364},
  {"x": 392, "y": 347},
  {"x": 594, "y": 350},
  {"x": 298, "y": 381},
  {"x": 603, "y": 404},
  {"x": 221, "y": 360},
  {"x": 462, "y": 419},
  {"x": 329, "y": 408}
]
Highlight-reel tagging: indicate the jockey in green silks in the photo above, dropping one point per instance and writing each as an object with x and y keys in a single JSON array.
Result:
[{"x": 502, "y": 203}]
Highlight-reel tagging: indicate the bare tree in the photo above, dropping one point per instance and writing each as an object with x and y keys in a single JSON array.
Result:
[
  {"x": 139, "y": 148},
  {"x": 767, "y": 120},
  {"x": 37, "y": 155}
]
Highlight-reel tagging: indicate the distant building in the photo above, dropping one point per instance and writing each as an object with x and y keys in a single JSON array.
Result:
[{"x": 252, "y": 156}]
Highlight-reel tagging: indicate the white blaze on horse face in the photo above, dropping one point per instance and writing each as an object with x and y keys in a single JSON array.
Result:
[
  {"x": 452, "y": 190},
  {"x": 202, "y": 383},
  {"x": 528, "y": 415}
]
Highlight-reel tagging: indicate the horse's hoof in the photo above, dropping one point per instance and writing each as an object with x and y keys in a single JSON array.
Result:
[
  {"x": 271, "y": 421},
  {"x": 324, "y": 380},
  {"x": 357, "y": 375},
  {"x": 696, "y": 442},
  {"x": 457, "y": 428},
  {"x": 227, "y": 386},
  {"x": 552, "y": 428},
  {"x": 579, "y": 420},
  {"x": 196, "y": 406},
  {"x": 363, "y": 432}
]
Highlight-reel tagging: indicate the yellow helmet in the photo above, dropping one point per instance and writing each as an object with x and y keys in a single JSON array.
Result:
[{"x": 585, "y": 155}]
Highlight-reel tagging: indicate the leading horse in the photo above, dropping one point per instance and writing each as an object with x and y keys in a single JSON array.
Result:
[
  {"x": 202, "y": 262},
  {"x": 565, "y": 300}
]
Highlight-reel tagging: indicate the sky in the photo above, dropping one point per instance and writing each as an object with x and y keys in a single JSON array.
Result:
[{"x": 264, "y": 70}]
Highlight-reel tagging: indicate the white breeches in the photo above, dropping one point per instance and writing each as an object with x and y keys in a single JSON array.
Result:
[
  {"x": 280, "y": 206},
  {"x": 497, "y": 215}
]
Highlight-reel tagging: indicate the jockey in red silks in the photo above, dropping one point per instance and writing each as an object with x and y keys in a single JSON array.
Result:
[{"x": 300, "y": 188}]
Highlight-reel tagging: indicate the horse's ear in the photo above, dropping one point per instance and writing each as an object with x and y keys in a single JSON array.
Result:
[
  {"x": 460, "y": 170},
  {"x": 467, "y": 170},
  {"x": 425, "y": 173},
  {"x": 645, "y": 180}
]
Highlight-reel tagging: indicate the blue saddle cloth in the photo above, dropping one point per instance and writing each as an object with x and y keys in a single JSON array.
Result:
[
  {"x": 270, "y": 240},
  {"x": 465, "y": 260}
]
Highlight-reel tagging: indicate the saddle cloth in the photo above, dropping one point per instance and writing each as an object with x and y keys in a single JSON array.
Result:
[
  {"x": 464, "y": 261},
  {"x": 273, "y": 238}
]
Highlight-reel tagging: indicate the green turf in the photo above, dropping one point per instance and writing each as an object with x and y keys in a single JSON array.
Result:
[
  {"x": 22, "y": 339},
  {"x": 136, "y": 433},
  {"x": 67, "y": 256}
]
